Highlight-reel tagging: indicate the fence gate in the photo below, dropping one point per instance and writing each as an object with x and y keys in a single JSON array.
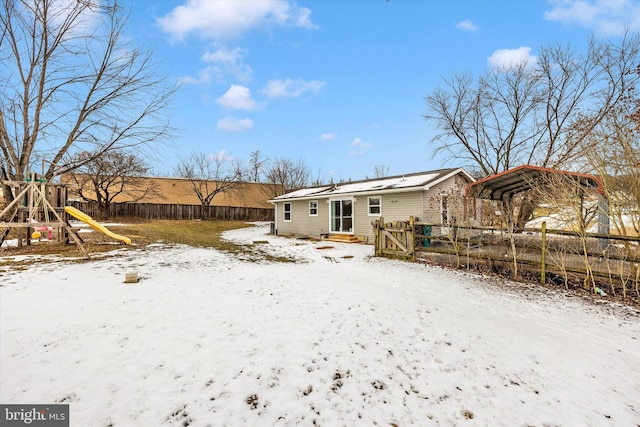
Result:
[{"x": 394, "y": 238}]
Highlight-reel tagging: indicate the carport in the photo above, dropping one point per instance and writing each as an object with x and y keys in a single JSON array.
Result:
[{"x": 505, "y": 185}]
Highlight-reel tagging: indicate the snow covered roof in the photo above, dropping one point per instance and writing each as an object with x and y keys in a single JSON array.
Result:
[{"x": 414, "y": 181}]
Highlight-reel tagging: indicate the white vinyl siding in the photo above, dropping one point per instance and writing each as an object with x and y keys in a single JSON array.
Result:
[
  {"x": 394, "y": 207},
  {"x": 399, "y": 207},
  {"x": 302, "y": 223}
]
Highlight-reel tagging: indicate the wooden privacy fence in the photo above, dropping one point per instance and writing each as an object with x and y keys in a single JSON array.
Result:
[
  {"x": 176, "y": 211},
  {"x": 555, "y": 254}
]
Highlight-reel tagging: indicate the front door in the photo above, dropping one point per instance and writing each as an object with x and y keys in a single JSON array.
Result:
[{"x": 342, "y": 216}]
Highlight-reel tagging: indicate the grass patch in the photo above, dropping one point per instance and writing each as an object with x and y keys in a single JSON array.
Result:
[{"x": 205, "y": 234}]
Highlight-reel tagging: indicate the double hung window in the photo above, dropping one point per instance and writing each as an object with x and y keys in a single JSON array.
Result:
[
  {"x": 375, "y": 206},
  {"x": 286, "y": 209},
  {"x": 313, "y": 208}
]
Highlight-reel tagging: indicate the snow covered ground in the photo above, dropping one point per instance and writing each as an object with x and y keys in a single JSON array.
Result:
[{"x": 337, "y": 338}]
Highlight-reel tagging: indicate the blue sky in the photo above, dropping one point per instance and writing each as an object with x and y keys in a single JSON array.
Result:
[{"x": 341, "y": 84}]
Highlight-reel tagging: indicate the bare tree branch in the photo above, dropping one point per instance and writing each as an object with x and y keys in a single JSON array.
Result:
[
  {"x": 532, "y": 114},
  {"x": 209, "y": 175},
  {"x": 73, "y": 82},
  {"x": 115, "y": 174},
  {"x": 284, "y": 175}
]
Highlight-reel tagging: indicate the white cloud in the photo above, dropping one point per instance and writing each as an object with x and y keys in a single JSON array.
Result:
[
  {"x": 507, "y": 58},
  {"x": 238, "y": 98},
  {"x": 221, "y": 155},
  {"x": 291, "y": 88},
  {"x": 231, "y": 62},
  {"x": 233, "y": 124},
  {"x": 358, "y": 142},
  {"x": 328, "y": 136},
  {"x": 205, "y": 75},
  {"x": 230, "y": 19},
  {"x": 225, "y": 62},
  {"x": 356, "y": 152},
  {"x": 607, "y": 17},
  {"x": 467, "y": 25}
]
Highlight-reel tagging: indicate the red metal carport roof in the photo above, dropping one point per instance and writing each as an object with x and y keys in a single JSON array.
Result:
[{"x": 506, "y": 184}]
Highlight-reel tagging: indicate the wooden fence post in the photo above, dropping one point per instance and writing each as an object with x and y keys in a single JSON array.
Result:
[
  {"x": 379, "y": 225},
  {"x": 543, "y": 257},
  {"x": 411, "y": 242},
  {"x": 376, "y": 236}
]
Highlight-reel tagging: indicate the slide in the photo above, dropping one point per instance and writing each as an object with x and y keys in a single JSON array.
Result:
[{"x": 88, "y": 220}]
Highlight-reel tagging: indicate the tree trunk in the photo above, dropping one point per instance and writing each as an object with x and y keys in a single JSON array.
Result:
[
  {"x": 7, "y": 193},
  {"x": 527, "y": 207},
  {"x": 104, "y": 210}
]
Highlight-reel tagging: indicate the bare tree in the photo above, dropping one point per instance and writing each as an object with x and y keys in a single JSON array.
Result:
[
  {"x": 73, "y": 82},
  {"x": 532, "y": 113},
  {"x": 284, "y": 175},
  {"x": 210, "y": 175},
  {"x": 483, "y": 123},
  {"x": 257, "y": 164},
  {"x": 612, "y": 151},
  {"x": 572, "y": 201},
  {"x": 616, "y": 162},
  {"x": 380, "y": 171},
  {"x": 452, "y": 207},
  {"x": 115, "y": 174}
]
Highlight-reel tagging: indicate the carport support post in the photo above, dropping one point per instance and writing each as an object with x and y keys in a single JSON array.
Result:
[{"x": 543, "y": 257}]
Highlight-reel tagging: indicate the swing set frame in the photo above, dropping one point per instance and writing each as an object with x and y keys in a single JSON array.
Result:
[{"x": 33, "y": 209}]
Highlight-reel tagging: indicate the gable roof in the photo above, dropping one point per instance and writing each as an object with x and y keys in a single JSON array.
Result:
[{"x": 401, "y": 183}]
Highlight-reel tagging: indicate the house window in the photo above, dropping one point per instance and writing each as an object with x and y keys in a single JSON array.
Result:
[
  {"x": 313, "y": 208},
  {"x": 375, "y": 206},
  {"x": 287, "y": 212},
  {"x": 444, "y": 210}
]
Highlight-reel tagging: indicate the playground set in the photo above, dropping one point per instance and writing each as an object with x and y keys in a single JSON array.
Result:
[{"x": 39, "y": 208}]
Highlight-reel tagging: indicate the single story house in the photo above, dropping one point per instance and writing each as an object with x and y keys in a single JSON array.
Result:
[{"x": 350, "y": 208}]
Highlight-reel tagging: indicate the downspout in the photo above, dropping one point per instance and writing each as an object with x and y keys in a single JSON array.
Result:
[{"x": 275, "y": 219}]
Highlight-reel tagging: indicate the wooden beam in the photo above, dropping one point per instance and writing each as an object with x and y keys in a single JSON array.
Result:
[
  {"x": 31, "y": 224},
  {"x": 77, "y": 241},
  {"x": 15, "y": 200},
  {"x": 394, "y": 240}
]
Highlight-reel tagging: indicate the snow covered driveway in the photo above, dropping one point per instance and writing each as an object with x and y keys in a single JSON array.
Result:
[{"x": 337, "y": 338}]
